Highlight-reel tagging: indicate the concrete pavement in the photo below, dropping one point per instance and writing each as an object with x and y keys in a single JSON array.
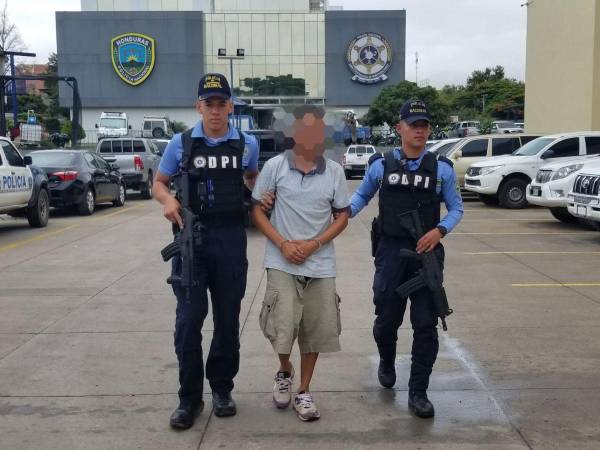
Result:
[{"x": 86, "y": 356}]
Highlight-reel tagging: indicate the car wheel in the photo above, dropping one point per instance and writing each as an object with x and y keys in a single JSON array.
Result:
[
  {"x": 37, "y": 215},
  {"x": 158, "y": 133},
  {"x": 120, "y": 200},
  {"x": 512, "y": 193},
  {"x": 491, "y": 200},
  {"x": 563, "y": 215},
  {"x": 88, "y": 203},
  {"x": 147, "y": 187}
]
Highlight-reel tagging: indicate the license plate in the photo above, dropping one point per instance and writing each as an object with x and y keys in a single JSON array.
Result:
[
  {"x": 536, "y": 191},
  {"x": 583, "y": 200},
  {"x": 582, "y": 211}
]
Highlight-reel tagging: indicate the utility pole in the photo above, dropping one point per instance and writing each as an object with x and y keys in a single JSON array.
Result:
[{"x": 417, "y": 68}]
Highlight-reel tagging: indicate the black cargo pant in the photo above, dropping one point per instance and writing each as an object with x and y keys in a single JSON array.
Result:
[
  {"x": 391, "y": 271},
  {"x": 221, "y": 268}
]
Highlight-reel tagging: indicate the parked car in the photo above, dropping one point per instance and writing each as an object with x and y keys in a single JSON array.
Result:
[
  {"x": 554, "y": 181},
  {"x": 157, "y": 127},
  {"x": 442, "y": 147},
  {"x": 584, "y": 198},
  {"x": 356, "y": 159},
  {"x": 464, "y": 129},
  {"x": 23, "y": 186},
  {"x": 505, "y": 127},
  {"x": 80, "y": 179},
  {"x": 161, "y": 145},
  {"x": 137, "y": 159},
  {"x": 479, "y": 148},
  {"x": 504, "y": 179}
]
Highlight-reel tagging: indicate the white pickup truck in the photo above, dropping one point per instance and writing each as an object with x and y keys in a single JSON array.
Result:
[
  {"x": 506, "y": 178},
  {"x": 356, "y": 159},
  {"x": 23, "y": 187},
  {"x": 137, "y": 158},
  {"x": 584, "y": 198}
]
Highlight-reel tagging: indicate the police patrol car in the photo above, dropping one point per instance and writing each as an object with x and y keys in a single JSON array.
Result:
[{"x": 23, "y": 188}]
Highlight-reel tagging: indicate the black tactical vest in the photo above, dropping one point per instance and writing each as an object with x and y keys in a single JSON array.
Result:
[
  {"x": 216, "y": 177},
  {"x": 402, "y": 191}
]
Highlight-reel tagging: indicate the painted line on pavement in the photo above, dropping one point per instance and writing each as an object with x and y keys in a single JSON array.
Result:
[
  {"x": 36, "y": 238},
  {"x": 120, "y": 211},
  {"x": 538, "y": 285}
]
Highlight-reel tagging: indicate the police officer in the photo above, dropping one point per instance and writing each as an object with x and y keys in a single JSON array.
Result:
[
  {"x": 408, "y": 178},
  {"x": 226, "y": 160}
]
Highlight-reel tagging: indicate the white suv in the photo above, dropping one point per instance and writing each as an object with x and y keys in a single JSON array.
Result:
[
  {"x": 553, "y": 182},
  {"x": 584, "y": 198},
  {"x": 356, "y": 159},
  {"x": 505, "y": 178},
  {"x": 23, "y": 188}
]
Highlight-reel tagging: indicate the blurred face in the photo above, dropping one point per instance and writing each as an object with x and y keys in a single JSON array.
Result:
[
  {"x": 415, "y": 135},
  {"x": 309, "y": 135},
  {"x": 215, "y": 112}
]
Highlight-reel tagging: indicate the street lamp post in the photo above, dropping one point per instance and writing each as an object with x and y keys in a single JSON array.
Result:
[{"x": 240, "y": 54}]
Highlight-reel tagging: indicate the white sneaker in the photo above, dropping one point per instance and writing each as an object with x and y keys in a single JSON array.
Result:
[
  {"x": 305, "y": 407},
  {"x": 282, "y": 389}
]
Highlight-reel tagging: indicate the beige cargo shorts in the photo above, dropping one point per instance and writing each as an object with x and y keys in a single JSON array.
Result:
[{"x": 297, "y": 307}]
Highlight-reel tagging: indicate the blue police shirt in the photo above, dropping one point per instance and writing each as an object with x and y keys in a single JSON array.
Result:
[
  {"x": 447, "y": 184},
  {"x": 171, "y": 159}
]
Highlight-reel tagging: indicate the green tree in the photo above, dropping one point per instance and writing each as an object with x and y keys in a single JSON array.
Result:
[
  {"x": 179, "y": 127},
  {"x": 51, "y": 89},
  {"x": 273, "y": 86},
  {"x": 386, "y": 106},
  {"x": 67, "y": 128}
]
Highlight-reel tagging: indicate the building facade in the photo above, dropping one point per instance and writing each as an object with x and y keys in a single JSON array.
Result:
[
  {"x": 144, "y": 57},
  {"x": 562, "y": 81}
]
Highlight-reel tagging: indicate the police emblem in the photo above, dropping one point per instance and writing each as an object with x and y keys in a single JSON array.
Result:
[
  {"x": 133, "y": 56},
  {"x": 394, "y": 178},
  {"x": 199, "y": 162},
  {"x": 369, "y": 58}
]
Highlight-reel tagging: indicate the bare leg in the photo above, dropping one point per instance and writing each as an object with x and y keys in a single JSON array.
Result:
[
  {"x": 285, "y": 364},
  {"x": 307, "y": 367}
]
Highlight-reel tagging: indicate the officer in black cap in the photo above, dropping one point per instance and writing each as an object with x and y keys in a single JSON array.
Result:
[
  {"x": 223, "y": 160},
  {"x": 408, "y": 178}
]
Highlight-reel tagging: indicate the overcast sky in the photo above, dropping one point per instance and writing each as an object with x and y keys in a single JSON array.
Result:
[{"x": 453, "y": 38}]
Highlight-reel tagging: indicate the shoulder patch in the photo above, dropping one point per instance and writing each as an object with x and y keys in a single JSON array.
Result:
[
  {"x": 446, "y": 160},
  {"x": 375, "y": 157}
]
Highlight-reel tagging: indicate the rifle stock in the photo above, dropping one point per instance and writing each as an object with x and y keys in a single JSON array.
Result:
[{"x": 429, "y": 275}]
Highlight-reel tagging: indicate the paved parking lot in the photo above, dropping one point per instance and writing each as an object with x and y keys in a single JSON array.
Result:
[{"x": 86, "y": 357}]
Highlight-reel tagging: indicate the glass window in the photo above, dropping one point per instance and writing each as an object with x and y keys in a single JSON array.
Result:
[
  {"x": 12, "y": 155},
  {"x": 147, "y": 125},
  {"x": 565, "y": 148},
  {"x": 352, "y": 150},
  {"x": 127, "y": 146},
  {"x": 101, "y": 163},
  {"x": 476, "y": 148},
  {"x": 592, "y": 144},
  {"x": 298, "y": 38},
  {"x": 444, "y": 149},
  {"x": 105, "y": 147},
  {"x": 89, "y": 159},
  {"x": 54, "y": 159},
  {"x": 504, "y": 146},
  {"x": 526, "y": 139},
  {"x": 258, "y": 38},
  {"x": 117, "y": 146},
  {"x": 138, "y": 147}
]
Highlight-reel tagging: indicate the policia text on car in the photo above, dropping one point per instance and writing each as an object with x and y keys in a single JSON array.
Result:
[
  {"x": 413, "y": 182},
  {"x": 210, "y": 165}
]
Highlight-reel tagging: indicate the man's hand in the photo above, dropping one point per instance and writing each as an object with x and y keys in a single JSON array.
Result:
[
  {"x": 307, "y": 247},
  {"x": 172, "y": 211},
  {"x": 428, "y": 241},
  {"x": 267, "y": 201},
  {"x": 292, "y": 253}
]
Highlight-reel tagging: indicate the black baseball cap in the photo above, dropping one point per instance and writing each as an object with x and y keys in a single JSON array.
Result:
[
  {"x": 213, "y": 85},
  {"x": 414, "y": 110}
]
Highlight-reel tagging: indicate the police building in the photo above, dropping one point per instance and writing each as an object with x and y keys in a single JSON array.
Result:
[{"x": 145, "y": 57}]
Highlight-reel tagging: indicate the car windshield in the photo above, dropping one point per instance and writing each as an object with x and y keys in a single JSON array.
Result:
[
  {"x": 112, "y": 123},
  {"x": 54, "y": 159},
  {"x": 446, "y": 148},
  {"x": 533, "y": 147},
  {"x": 161, "y": 145},
  {"x": 361, "y": 149},
  {"x": 505, "y": 124}
]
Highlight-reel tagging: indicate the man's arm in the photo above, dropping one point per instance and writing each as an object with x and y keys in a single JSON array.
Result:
[
  {"x": 162, "y": 194},
  {"x": 289, "y": 249},
  {"x": 368, "y": 188},
  {"x": 250, "y": 162},
  {"x": 250, "y": 178}
]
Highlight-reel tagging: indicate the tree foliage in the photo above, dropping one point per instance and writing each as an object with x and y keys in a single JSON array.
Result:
[
  {"x": 486, "y": 94},
  {"x": 10, "y": 38}
]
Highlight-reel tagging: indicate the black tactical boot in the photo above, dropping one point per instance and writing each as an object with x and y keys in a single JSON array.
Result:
[
  {"x": 386, "y": 373},
  {"x": 419, "y": 404},
  {"x": 185, "y": 415},
  {"x": 223, "y": 404}
]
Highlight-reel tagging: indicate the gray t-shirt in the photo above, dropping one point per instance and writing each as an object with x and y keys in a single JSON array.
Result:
[{"x": 302, "y": 210}]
